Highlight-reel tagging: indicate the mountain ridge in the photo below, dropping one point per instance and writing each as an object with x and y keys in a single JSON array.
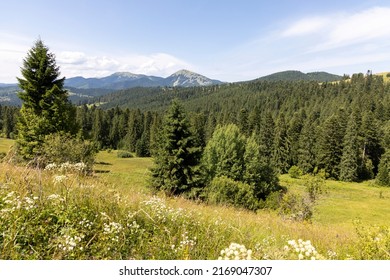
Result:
[
  {"x": 295, "y": 75},
  {"x": 122, "y": 80}
]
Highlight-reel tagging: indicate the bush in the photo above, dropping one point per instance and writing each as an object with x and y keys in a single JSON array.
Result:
[
  {"x": 314, "y": 186},
  {"x": 223, "y": 190},
  {"x": 61, "y": 148},
  {"x": 124, "y": 154},
  {"x": 295, "y": 172},
  {"x": 295, "y": 207},
  {"x": 374, "y": 242}
]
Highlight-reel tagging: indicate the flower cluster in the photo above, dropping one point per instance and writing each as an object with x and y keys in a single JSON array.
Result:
[
  {"x": 58, "y": 179},
  {"x": 112, "y": 229},
  {"x": 68, "y": 243},
  {"x": 87, "y": 224},
  {"x": 236, "y": 252},
  {"x": 79, "y": 167},
  {"x": 14, "y": 202},
  {"x": 304, "y": 250}
]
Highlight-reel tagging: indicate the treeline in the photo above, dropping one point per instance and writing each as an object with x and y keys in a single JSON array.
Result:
[
  {"x": 8, "y": 119},
  {"x": 340, "y": 128}
]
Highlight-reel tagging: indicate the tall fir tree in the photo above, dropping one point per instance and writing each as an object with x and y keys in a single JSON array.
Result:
[
  {"x": 45, "y": 108},
  {"x": 177, "y": 159},
  {"x": 349, "y": 165},
  {"x": 330, "y": 146},
  {"x": 281, "y": 146}
]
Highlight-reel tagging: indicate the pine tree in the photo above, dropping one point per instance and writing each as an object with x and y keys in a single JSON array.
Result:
[
  {"x": 307, "y": 145},
  {"x": 371, "y": 149},
  {"x": 266, "y": 137},
  {"x": 330, "y": 148},
  {"x": 383, "y": 177},
  {"x": 45, "y": 109},
  {"x": 176, "y": 161},
  {"x": 257, "y": 170},
  {"x": 293, "y": 132},
  {"x": 350, "y": 159},
  {"x": 281, "y": 146}
]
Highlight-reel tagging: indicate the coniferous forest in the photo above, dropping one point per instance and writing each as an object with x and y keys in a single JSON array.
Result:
[{"x": 339, "y": 127}]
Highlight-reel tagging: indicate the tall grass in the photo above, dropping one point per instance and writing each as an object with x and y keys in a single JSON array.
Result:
[{"x": 113, "y": 215}]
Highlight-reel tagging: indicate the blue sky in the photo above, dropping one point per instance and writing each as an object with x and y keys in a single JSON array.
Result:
[{"x": 222, "y": 39}]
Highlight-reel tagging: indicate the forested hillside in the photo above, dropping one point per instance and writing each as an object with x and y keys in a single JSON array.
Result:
[{"x": 339, "y": 127}]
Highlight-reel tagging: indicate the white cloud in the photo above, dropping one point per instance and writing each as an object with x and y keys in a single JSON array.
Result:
[
  {"x": 342, "y": 29},
  {"x": 68, "y": 57},
  {"x": 79, "y": 64},
  {"x": 360, "y": 27},
  {"x": 306, "y": 26}
]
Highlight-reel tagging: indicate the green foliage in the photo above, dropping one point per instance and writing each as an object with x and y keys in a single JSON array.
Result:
[
  {"x": 124, "y": 154},
  {"x": 374, "y": 242},
  {"x": 229, "y": 154},
  {"x": 45, "y": 108},
  {"x": 61, "y": 148},
  {"x": 223, "y": 155},
  {"x": 296, "y": 207},
  {"x": 314, "y": 186},
  {"x": 226, "y": 191},
  {"x": 383, "y": 177},
  {"x": 295, "y": 172},
  {"x": 331, "y": 145},
  {"x": 349, "y": 165},
  {"x": 177, "y": 158}
]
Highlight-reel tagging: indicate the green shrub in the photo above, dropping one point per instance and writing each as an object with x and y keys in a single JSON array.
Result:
[
  {"x": 296, "y": 207},
  {"x": 61, "y": 148},
  {"x": 295, "y": 172},
  {"x": 124, "y": 154},
  {"x": 374, "y": 242},
  {"x": 223, "y": 190},
  {"x": 314, "y": 186}
]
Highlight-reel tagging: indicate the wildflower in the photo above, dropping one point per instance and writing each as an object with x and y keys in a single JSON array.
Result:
[
  {"x": 51, "y": 166},
  {"x": 303, "y": 249},
  {"x": 236, "y": 252},
  {"x": 59, "y": 179}
]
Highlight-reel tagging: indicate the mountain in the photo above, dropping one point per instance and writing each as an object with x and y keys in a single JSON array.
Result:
[
  {"x": 293, "y": 75},
  {"x": 185, "y": 78},
  {"x": 122, "y": 80},
  {"x": 7, "y": 85},
  {"x": 8, "y": 95},
  {"x": 119, "y": 80}
]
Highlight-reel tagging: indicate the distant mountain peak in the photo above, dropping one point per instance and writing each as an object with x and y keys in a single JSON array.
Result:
[
  {"x": 186, "y": 78},
  {"x": 122, "y": 80},
  {"x": 125, "y": 75},
  {"x": 184, "y": 72}
]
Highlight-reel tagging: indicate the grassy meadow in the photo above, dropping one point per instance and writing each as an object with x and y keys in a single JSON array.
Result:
[{"x": 112, "y": 214}]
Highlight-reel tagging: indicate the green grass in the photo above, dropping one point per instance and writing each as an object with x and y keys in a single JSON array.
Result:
[
  {"x": 5, "y": 145},
  {"x": 344, "y": 203},
  {"x": 119, "y": 188}
]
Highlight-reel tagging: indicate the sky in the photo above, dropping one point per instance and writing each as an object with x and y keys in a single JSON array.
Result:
[{"x": 222, "y": 39}]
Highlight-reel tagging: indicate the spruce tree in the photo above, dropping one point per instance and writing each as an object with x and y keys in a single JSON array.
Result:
[
  {"x": 281, "y": 145},
  {"x": 330, "y": 147},
  {"x": 176, "y": 161},
  {"x": 350, "y": 159},
  {"x": 45, "y": 109},
  {"x": 307, "y": 144}
]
